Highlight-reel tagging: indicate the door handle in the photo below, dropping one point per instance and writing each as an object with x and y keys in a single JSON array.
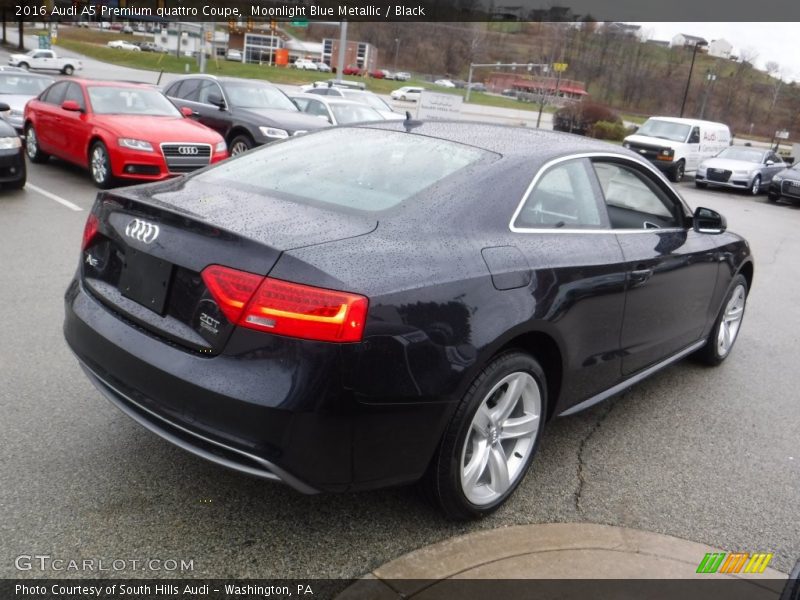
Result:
[{"x": 640, "y": 276}]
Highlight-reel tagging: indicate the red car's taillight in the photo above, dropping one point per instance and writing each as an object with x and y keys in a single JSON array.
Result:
[
  {"x": 89, "y": 230},
  {"x": 287, "y": 308}
]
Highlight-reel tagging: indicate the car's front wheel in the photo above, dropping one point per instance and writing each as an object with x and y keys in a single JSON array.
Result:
[
  {"x": 755, "y": 187},
  {"x": 32, "y": 148},
  {"x": 490, "y": 442},
  {"x": 68, "y": 70},
  {"x": 726, "y": 328},
  {"x": 240, "y": 144},
  {"x": 100, "y": 166}
]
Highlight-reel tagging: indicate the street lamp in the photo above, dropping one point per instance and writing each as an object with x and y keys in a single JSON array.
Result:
[
  {"x": 691, "y": 68},
  {"x": 711, "y": 77},
  {"x": 396, "y": 52}
]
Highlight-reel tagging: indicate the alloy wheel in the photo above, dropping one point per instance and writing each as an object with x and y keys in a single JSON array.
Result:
[
  {"x": 500, "y": 438},
  {"x": 731, "y": 321},
  {"x": 31, "y": 143},
  {"x": 99, "y": 164},
  {"x": 239, "y": 148},
  {"x": 756, "y": 186}
]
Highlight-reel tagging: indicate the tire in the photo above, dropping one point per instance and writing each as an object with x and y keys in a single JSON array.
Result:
[
  {"x": 772, "y": 197},
  {"x": 403, "y": 98},
  {"x": 677, "y": 172},
  {"x": 755, "y": 187},
  {"x": 100, "y": 166},
  {"x": 241, "y": 143},
  {"x": 68, "y": 70},
  {"x": 24, "y": 65},
  {"x": 726, "y": 328},
  {"x": 480, "y": 461},
  {"x": 32, "y": 149},
  {"x": 700, "y": 184}
]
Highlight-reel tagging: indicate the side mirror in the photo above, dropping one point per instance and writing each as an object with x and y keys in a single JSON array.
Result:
[
  {"x": 217, "y": 101},
  {"x": 4, "y": 107},
  {"x": 769, "y": 163},
  {"x": 706, "y": 220},
  {"x": 71, "y": 106},
  {"x": 186, "y": 111}
]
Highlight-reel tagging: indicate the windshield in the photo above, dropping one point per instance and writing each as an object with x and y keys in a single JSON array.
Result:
[
  {"x": 385, "y": 168},
  {"x": 368, "y": 99},
  {"x": 353, "y": 113},
  {"x": 23, "y": 84},
  {"x": 110, "y": 100},
  {"x": 248, "y": 94},
  {"x": 667, "y": 130},
  {"x": 745, "y": 154}
]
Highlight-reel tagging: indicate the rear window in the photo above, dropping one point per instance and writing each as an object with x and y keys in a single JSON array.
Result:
[{"x": 363, "y": 169}]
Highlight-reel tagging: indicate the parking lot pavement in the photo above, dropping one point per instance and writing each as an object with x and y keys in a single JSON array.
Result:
[{"x": 708, "y": 455}]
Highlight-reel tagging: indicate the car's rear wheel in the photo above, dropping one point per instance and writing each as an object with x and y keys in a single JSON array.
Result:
[
  {"x": 32, "y": 149},
  {"x": 726, "y": 328},
  {"x": 100, "y": 166},
  {"x": 68, "y": 70},
  {"x": 240, "y": 144},
  {"x": 490, "y": 442},
  {"x": 755, "y": 187}
]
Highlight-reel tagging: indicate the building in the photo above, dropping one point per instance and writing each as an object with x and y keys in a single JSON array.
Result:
[
  {"x": 683, "y": 39},
  {"x": 356, "y": 54},
  {"x": 568, "y": 89},
  {"x": 659, "y": 43},
  {"x": 720, "y": 48},
  {"x": 625, "y": 29}
]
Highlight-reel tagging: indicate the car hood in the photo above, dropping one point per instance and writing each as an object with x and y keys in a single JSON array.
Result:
[
  {"x": 15, "y": 101},
  {"x": 730, "y": 164},
  {"x": 278, "y": 223},
  {"x": 650, "y": 141},
  {"x": 158, "y": 129},
  {"x": 284, "y": 119},
  {"x": 789, "y": 174}
]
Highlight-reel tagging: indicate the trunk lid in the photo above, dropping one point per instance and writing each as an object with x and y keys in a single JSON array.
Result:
[{"x": 153, "y": 242}]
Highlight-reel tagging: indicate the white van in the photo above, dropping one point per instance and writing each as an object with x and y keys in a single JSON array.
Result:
[{"x": 677, "y": 146}]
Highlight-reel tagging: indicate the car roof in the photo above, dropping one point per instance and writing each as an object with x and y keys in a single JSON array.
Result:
[
  {"x": 221, "y": 79},
  {"x": 109, "y": 83},
  {"x": 327, "y": 99},
  {"x": 684, "y": 121},
  {"x": 507, "y": 140}
]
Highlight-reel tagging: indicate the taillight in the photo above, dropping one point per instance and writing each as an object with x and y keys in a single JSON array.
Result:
[
  {"x": 230, "y": 288},
  {"x": 89, "y": 230},
  {"x": 287, "y": 308}
]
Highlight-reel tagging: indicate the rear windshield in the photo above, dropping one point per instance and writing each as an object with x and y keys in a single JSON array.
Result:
[{"x": 363, "y": 169}]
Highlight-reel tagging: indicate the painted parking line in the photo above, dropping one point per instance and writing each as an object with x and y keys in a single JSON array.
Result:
[{"x": 52, "y": 196}]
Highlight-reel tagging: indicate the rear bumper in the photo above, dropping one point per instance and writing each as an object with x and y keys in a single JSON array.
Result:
[{"x": 268, "y": 406}]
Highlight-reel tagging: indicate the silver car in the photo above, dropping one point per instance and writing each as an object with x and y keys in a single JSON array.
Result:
[
  {"x": 16, "y": 88},
  {"x": 740, "y": 167}
]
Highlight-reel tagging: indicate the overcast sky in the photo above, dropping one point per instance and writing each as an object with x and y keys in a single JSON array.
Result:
[{"x": 771, "y": 41}]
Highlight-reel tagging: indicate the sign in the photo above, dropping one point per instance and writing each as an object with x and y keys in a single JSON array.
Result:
[
  {"x": 560, "y": 67},
  {"x": 782, "y": 135},
  {"x": 300, "y": 23},
  {"x": 433, "y": 105},
  {"x": 44, "y": 41}
]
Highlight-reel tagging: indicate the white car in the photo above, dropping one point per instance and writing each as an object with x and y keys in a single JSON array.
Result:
[
  {"x": 305, "y": 64},
  {"x": 233, "y": 54},
  {"x": 337, "y": 111},
  {"x": 444, "y": 83},
  {"x": 402, "y": 76},
  {"x": 408, "y": 93},
  {"x": 123, "y": 45}
]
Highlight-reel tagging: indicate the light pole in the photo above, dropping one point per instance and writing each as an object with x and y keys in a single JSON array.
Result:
[
  {"x": 396, "y": 52},
  {"x": 711, "y": 77},
  {"x": 691, "y": 68}
]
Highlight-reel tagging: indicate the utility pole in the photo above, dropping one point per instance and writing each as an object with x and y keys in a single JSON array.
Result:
[
  {"x": 342, "y": 47},
  {"x": 689, "y": 79},
  {"x": 202, "y": 47},
  {"x": 711, "y": 78}
]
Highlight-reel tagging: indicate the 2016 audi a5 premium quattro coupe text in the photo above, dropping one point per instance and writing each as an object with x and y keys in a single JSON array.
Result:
[{"x": 419, "y": 315}]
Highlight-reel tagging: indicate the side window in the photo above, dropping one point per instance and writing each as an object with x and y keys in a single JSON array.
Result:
[
  {"x": 206, "y": 89},
  {"x": 188, "y": 90},
  {"x": 55, "y": 95},
  {"x": 302, "y": 103},
  {"x": 563, "y": 197},
  {"x": 42, "y": 55},
  {"x": 633, "y": 200},
  {"x": 317, "y": 109},
  {"x": 694, "y": 137},
  {"x": 75, "y": 93}
]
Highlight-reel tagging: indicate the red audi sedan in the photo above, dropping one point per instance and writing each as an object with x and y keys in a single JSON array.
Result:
[{"x": 118, "y": 131}]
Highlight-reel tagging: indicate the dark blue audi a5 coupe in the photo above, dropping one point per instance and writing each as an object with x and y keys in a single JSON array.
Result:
[{"x": 392, "y": 303}]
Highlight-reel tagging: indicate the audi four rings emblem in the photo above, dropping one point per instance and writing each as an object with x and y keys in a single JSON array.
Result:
[
  {"x": 188, "y": 150},
  {"x": 142, "y": 231}
]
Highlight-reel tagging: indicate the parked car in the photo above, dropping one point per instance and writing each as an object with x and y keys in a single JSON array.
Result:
[
  {"x": 16, "y": 88},
  {"x": 232, "y": 54},
  {"x": 351, "y": 354},
  {"x": 351, "y": 70},
  {"x": 477, "y": 87},
  {"x": 407, "y": 93},
  {"x": 334, "y": 83},
  {"x": 126, "y": 29},
  {"x": 444, "y": 83},
  {"x": 305, "y": 64},
  {"x": 336, "y": 111},
  {"x": 676, "y": 146},
  {"x": 323, "y": 67},
  {"x": 785, "y": 184},
  {"x": 46, "y": 60},
  {"x": 580, "y": 117},
  {"x": 364, "y": 97},
  {"x": 377, "y": 74},
  {"x": 245, "y": 112},
  {"x": 402, "y": 76},
  {"x": 123, "y": 45},
  {"x": 740, "y": 167},
  {"x": 12, "y": 155},
  {"x": 387, "y": 74},
  {"x": 118, "y": 131}
]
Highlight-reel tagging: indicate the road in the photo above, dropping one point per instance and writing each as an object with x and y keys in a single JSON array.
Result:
[{"x": 710, "y": 455}]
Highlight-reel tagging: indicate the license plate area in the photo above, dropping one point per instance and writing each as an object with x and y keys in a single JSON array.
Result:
[{"x": 145, "y": 279}]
